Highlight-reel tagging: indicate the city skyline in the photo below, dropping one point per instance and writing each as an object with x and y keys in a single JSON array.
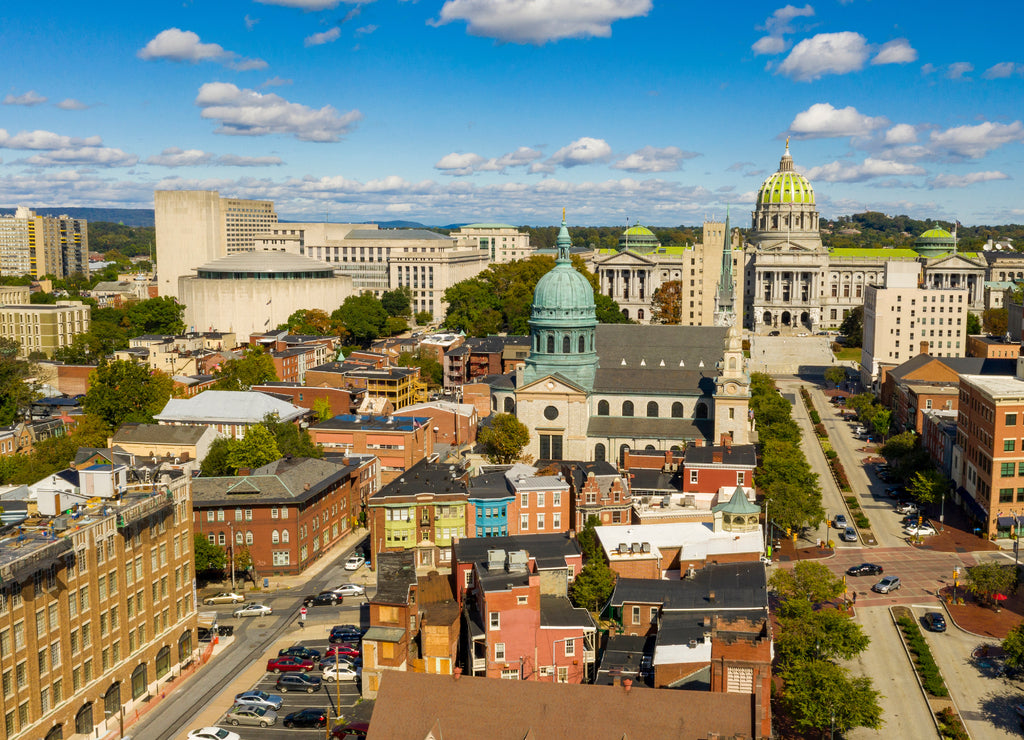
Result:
[{"x": 471, "y": 110}]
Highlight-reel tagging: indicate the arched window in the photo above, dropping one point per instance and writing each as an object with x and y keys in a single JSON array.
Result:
[
  {"x": 602, "y": 408},
  {"x": 551, "y": 344},
  {"x": 640, "y": 314},
  {"x": 582, "y": 345},
  {"x": 239, "y": 537},
  {"x": 627, "y": 408},
  {"x": 625, "y": 312},
  {"x": 112, "y": 700},
  {"x": 139, "y": 681},
  {"x": 248, "y": 537},
  {"x": 284, "y": 535},
  {"x": 732, "y": 363},
  {"x": 83, "y": 720},
  {"x": 55, "y": 733},
  {"x": 494, "y": 403},
  {"x": 622, "y": 454},
  {"x": 652, "y": 409},
  {"x": 163, "y": 661},
  {"x": 510, "y": 405},
  {"x": 701, "y": 412},
  {"x": 275, "y": 537},
  {"x": 184, "y": 646},
  {"x": 599, "y": 453},
  {"x": 650, "y": 448},
  {"x": 677, "y": 410},
  {"x": 566, "y": 345},
  {"x": 212, "y": 538}
]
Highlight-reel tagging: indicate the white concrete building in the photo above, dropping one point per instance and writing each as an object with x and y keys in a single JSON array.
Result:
[{"x": 502, "y": 242}]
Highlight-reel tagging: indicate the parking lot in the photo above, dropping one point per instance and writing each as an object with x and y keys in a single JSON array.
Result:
[{"x": 330, "y": 696}]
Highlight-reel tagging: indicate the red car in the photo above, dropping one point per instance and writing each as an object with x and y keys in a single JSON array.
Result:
[
  {"x": 345, "y": 650},
  {"x": 284, "y": 663},
  {"x": 351, "y": 731}
]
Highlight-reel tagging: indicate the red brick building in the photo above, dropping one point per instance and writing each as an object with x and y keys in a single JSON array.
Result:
[
  {"x": 453, "y": 424},
  {"x": 597, "y": 489},
  {"x": 710, "y": 469},
  {"x": 341, "y": 400},
  {"x": 288, "y": 514},
  {"x": 398, "y": 441}
]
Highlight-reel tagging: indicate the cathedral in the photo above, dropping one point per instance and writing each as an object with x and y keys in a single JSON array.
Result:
[{"x": 591, "y": 391}]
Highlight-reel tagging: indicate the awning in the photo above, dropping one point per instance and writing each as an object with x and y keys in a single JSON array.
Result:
[
  {"x": 973, "y": 507},
  {"x": 384, "y": 634},
  {"x": 1008, "y": 521}
]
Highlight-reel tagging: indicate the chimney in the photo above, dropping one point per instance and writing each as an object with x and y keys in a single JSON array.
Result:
[
  {"x": 924, "y": 348},
  {"x": 716, "y": 456},
  {"x": 457, "y": 673},
  {"x": 627, "y": 684},
  {"x": 711, "y": 596}
]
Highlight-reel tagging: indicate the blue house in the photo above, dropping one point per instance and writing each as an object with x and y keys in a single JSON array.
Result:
[{"x": 491, "y": 498}]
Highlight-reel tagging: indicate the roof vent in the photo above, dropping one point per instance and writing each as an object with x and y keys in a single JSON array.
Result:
[
  {"x": 623, "y": 548},
  {"x": 518, "y": 561},
  {"x": 495, "y": 559}
]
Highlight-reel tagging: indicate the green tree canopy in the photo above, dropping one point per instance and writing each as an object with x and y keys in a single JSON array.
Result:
[
  {"x": 209, "y": 557},
  {"x": 927, "y": 486},
  {"x": 257, "y": 448},
  {"x": 1013, "y": 646},
  {"x": 290, "y": 439},
  {"x": 161, "y": 315},
  {"x": 807, "y": 634},
  {"x": 973, "y": 324},
  {"x": 666, "y": 303},
  {"x": 312, "y": 321},
  {"x": 987, "y": 579},
  {"x": 792, "y": 506},
  {"x": 852, "y": 327},
  {"x": 586, "y": 538},
  {"x": 430, "y": 369},
  {"x": 322, "y": 409},
  {"x": 363, "y": 317},
  {"x": 254, "y": 368},
  {"x": 899, "y": 445},
  {"x": 123, "y": 390},
  {"x": 504, "y": 440},
  {"x": 397, "y": 302},
  {"x": 835, "y": 374},
  {"x": 216, "y": 463},
  {"x": 994, "y": 320},
  {"x": 821, "y": 695},
  {"x": 16, "y": 389},
  {"x": 808, "y": 581},
  {"x": 593, "y": 586}
]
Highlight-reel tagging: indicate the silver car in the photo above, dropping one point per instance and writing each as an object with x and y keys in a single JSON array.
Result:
[
  {"x": 241, "y": 714},
  {"x": 257, "y": 698},
  {"x": 349, "y": 589},
  {"x": 253, "y": 610}
]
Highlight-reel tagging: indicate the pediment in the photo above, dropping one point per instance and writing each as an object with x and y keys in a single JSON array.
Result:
[
  {"x": 553, "y": 384},
  {"x": 956, "y": 262},
  {"x": 626, "y": 259},
  {"x": 786, "y": 246}
]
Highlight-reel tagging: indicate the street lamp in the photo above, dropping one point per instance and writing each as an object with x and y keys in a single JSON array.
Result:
[{"x": 231, "y": 548}]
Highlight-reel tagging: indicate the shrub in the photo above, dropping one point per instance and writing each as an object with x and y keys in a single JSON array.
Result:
[
  {"x": 815, "y": 419},
  {"x": 861, "y": 520},
  {"x": 852, "y": 502},
  {"x": 819, "y": 429},
  {"x": 951, "y": 726},
  {"x": 837, "y": 347},
  {"x": 924, "y": 663},
  {"x": 831, "y": 455}
]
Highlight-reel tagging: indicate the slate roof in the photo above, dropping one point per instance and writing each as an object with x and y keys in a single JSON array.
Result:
[
  {"x": 396, "y": 574},
  {"x": 645, "y": 428},
  {"x": 170, "y": 434},
  {"x": 736, "y": 455},
  {"x": 423, "y": 477},
  {"x": 283, "y": 480},
  {"x": 246, "y": 407},
  {"x": 494, "y": 344},
  {"x": 736, "y": 586},
  {"x": 403, "y": 234},
  {"x": 558, "y": 611},
  {"x": 489, "y": 486},
  {"x": 647, "y": 479},
  {"x": 959, "y": 365},
  {"x": 651, "y": 358}
]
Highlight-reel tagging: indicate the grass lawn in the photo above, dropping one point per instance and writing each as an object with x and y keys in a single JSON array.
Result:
[{"x": 848, "y": 353}]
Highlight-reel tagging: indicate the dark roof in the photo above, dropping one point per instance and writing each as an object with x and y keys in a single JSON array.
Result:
[
  {"x": 646, "y": 479},
  {"x": 735, "y": 585},
  {"x": 679, "y": 359},
  {"x": 557, "y": 611},
  {"x": 549, "y": 549},
  {"x": 396, "y": 574},
  {"x": 959, "y": 365},
  {"x": 494, "y": 344},
  {"x": 424, "y": 477},
  {"x": 503, "y": 382},
  {"x": 489, "y": 485},
  {"x": 288, "y": 480},
  {"x": 172, "y": 434},
  {"x": 643, "y": 428},
  {"x": 655, "y": 380},
  {"x": 367, "y": 422},
  {"x": 734, "y": 455},
  {"x": 622, "y": 656},
  {"x": 413, "y": 705}
]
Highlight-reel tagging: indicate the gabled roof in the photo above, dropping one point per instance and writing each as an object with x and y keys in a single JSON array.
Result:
[
  {"x": 735, "y": 586},
  {"x": 287, "y": 481}
]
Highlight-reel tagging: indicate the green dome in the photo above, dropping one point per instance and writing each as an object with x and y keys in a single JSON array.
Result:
[
  {"x": 638, "y": 231},
  {"x": 563, "y": 292},
  {"x": 934, "y": 243},
  {"x": 639, "y": 238},
  {"x": 936, "y": 233},
  {"x": 786, "y": 187}
]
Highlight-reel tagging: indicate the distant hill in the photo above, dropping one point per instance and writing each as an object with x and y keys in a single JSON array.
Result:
[{"x": 127, "y": 216}]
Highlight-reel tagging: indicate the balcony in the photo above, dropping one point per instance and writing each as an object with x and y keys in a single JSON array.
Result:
[{"x": 479, "y": 665}]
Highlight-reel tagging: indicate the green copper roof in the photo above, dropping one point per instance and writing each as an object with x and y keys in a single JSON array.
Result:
[
  {"x": 738, "y": 504},
  {"x": 936, "y": 234},
  {"x": 786, "y": 187},
  {"x": 563, "y": 291},
  {"x": 638, "y": 231},
  {"x": 875, "y": 253}
]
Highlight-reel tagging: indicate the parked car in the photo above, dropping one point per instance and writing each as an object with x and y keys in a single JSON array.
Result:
[
  {"x": 864, "y": 569},
  {"x": 298, "y": 682},
  {"x": 355, "y": 562},
  {"x": 349, "y": 589},
  {"x": 327, "y": 598},
  {"x": 300, "y": 651},
  {"x": 348, "y": 660},
  {"x": 934, "y": 621},
  {"x": 287, "y": 663},
  {"x": 253, "y": 610},
  {"x": 839, "y": 522},
  {"x": 351, "y": 731},
  {"x": 247, "y": 715},
  {"x": 224, "y": 598},
  {"x": 213, "y": 733},
  {"x": 860, "y": 430},
  {"x": 257, "y": 698},
  {"x": 887, "y": 584},
  {"x": 849, "y": 534},
  {"x": 920, "y": 530},
  {"x": 906, "y": 507},
  {"x": 341, "y": 672},
  {"x": 308, "y": 717},
  {"x": 774, "y": 333},
  {"x": 894, "y": 491},
  {"x": 346, "y": 633},
  {"x": 346, "y": 649}
]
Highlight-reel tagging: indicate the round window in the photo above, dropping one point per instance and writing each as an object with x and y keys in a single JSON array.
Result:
[{"x": 551, "y": 413}]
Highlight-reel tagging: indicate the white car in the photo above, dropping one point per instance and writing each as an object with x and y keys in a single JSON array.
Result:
[
  {"x": 349, "y": 589},
  {"x": 355, "y": 562},
  {"x": 213, "y": 733},
  {"x": 919, "y": 529},
  {"x": 341, "y": 672},
  {"x": 253, "y": 610}
]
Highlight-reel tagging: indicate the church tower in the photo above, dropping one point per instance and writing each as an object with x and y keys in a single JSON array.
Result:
[
  {"x": 732, "y": 393},
  {"x": 725, "y": 293},
  {"x": 563, "y": 322}
]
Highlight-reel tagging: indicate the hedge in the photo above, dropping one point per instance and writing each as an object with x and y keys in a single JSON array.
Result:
[{"x": 923, "y": 660}]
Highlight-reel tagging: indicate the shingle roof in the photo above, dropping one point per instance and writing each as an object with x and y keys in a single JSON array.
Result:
[
  {"x": 368, "y": 422},
  {"x": 400, "y": 234},
  {"x": 644, "y": 428},
  {"x": 550, "y": 548},
  {"x": 736, "y": 455},
  {"x": 286, "y": 480},
  {"x": 424, "y": 477},
  {"x": 674, "y": 359},
  {"x": 735, "y": 585},
  {"x": 557, "y": 611},
  {"x": 171, "y": 434}
]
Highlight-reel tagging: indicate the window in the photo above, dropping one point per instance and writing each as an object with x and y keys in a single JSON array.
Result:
[
  {"x": 495, "y": 620},
  {"x": 694, "y": 476},
  {"x": 510, "y": 674},
  {"x": 563, "y": 674},
  {"x": 636, "y": 615},
  {"x": 273, "y": 512},
  {"x": 522, "y": 600},
  {"x": 540, "y": 522},
  {"x": 1011, "y": 420},
  {"x": 740, "y": 478},
  {"x": 652, "y": 409},
  {"x": 1005, "y": 495},
  {"x": 556, "y": 498},
  {"x": 627, "y": 409},
  {"x": 1007, "y": 470},
  {"x": 677, "y": 410},
  {"x": 602, "y": 408},
  {"x": 499, "y": 651},
  {"x": 1008, "y": 445},
  {"x": 540, "y": 498},
  {"x": 551, "y": 447},
  {"x": 654, "y": 615},
  {"x": 570, "y": 648},
  {"x": 275, "y": 537},
  {"x": 556, "y": 521}
]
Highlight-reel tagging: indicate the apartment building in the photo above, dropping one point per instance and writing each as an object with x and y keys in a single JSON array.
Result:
[
  {"x": 97, "y": 611},
  {"x": 195, "y": 227},
  {"x": 43, "y": 245},
  {"x": 44, "y": 328},
  {"x": 398, "y": 442}
]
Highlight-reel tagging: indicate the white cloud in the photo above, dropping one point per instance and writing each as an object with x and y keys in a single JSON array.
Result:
[
  {"x": 310, "y": 4},
  {"x": 72, "y": 104},
  {"x": 276, "y": 82},
  {"x": 176, "y": 157},
  {"x": 1002, "y": 70},
  {"x": 365, "y": 30},
  {"x": 585, "y": 150},
  {"x": 250, "y": 22},
  {"x": 822, "y": 121},
  {"x": 521, "y": 157},
  {"x": 540, "y": 21},
  {"x": 897, "y": 51},
  {"x": 653, "y": 159},
  {"x": 777, "y": 25},
  {"x": 235, "y": 160},
  {"x": 928, "y": 69},
  {"x": 826, "y": 53},
  {"x": 244, "y": 112},
  {"x": 325, "y": 37},
  {"x": 977, "y": 141},
  {"x": 44, "y": 140},
  {"x": 28, "y": 99},
  {"x": 99, "y": 156},
  {"x": 868, "y": 169},
  {"x": 459, "y": 164},
  {"x": 963, "y": 181},
  {"x": 957, "y": 70},
  {"x": 901, "y": 133},
  {"x": 176, "y": 45}
]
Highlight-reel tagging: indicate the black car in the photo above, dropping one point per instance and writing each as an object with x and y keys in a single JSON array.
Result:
[
  {"x": 324, "y": 599},
  {"x": 864, "y": 569},
  {"x": 298, "y": 682},
  {"x": 345, "y": 633},
  {"x": 934, "y": 621},
  {"x": 298, "y": 651},
  {"x": 306, "y": 718}
]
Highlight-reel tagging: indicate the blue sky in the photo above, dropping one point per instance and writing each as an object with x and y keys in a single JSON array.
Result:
[{"x": 441, "y": 111}]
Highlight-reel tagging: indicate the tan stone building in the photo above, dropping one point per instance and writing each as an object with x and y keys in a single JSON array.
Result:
[
  {"x": 44, "y": 328},
  {"x": 97, "y": 612},
  {"x": 502, "y": 242},
  {"x": 43, "y": 245}
]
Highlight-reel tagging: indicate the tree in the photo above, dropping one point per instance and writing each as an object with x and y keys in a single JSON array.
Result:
[
  {"x": 987, "y": 579},
  {"x": 313, "y": 321},
  {"x": 430, "y": 369},
  {"x": 608, "y": 311},
  {"x": 899, "y": 445},
  {"x": 395, "y": 325},
  {"x": 586, "y": 538},
  {"x": 593, "y": 586},
  {"x": 254, "y": 368},
  {"x": 423, "y": 318},
  {"x": 17, "y": 390},
  {"x": 927, "y": 486},
  {"x": 123, "y": 390},
  {"x": 792, "y": 506},
  {"x": 973, "y": 324},
  {"x": 504, "y": 440},
  {"x": 822, "y": 696},
  {"x": 881, "y": 420},
  {"x": 808, "y": 581},
  {"x": 242, "y": 560},
  {"x": 290, "y": 439},
  {"x": 835, "y": 374},
  {"x": 209, "y": 557},
  {"x": 852, "y": 327},
  {"x": 216, "y": 461},
  {"x": 1013, "y": 647},
  {"x": 322, "y": 409},
  {"x": 995, "y": 320},
  {"x": 257, "y": 448},
  {"x": 807, "y": 634},
  {"x": 397, "y": 302},
  {"x": 666, "y": 303},
  {"x": 363, "y": 317},
  {"x": 161, "y": 315}
]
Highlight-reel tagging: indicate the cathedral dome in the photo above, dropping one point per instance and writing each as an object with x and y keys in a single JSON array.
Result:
[
  {"x": 563, "y": 292},
  {"x": 787, "y": 185}
]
